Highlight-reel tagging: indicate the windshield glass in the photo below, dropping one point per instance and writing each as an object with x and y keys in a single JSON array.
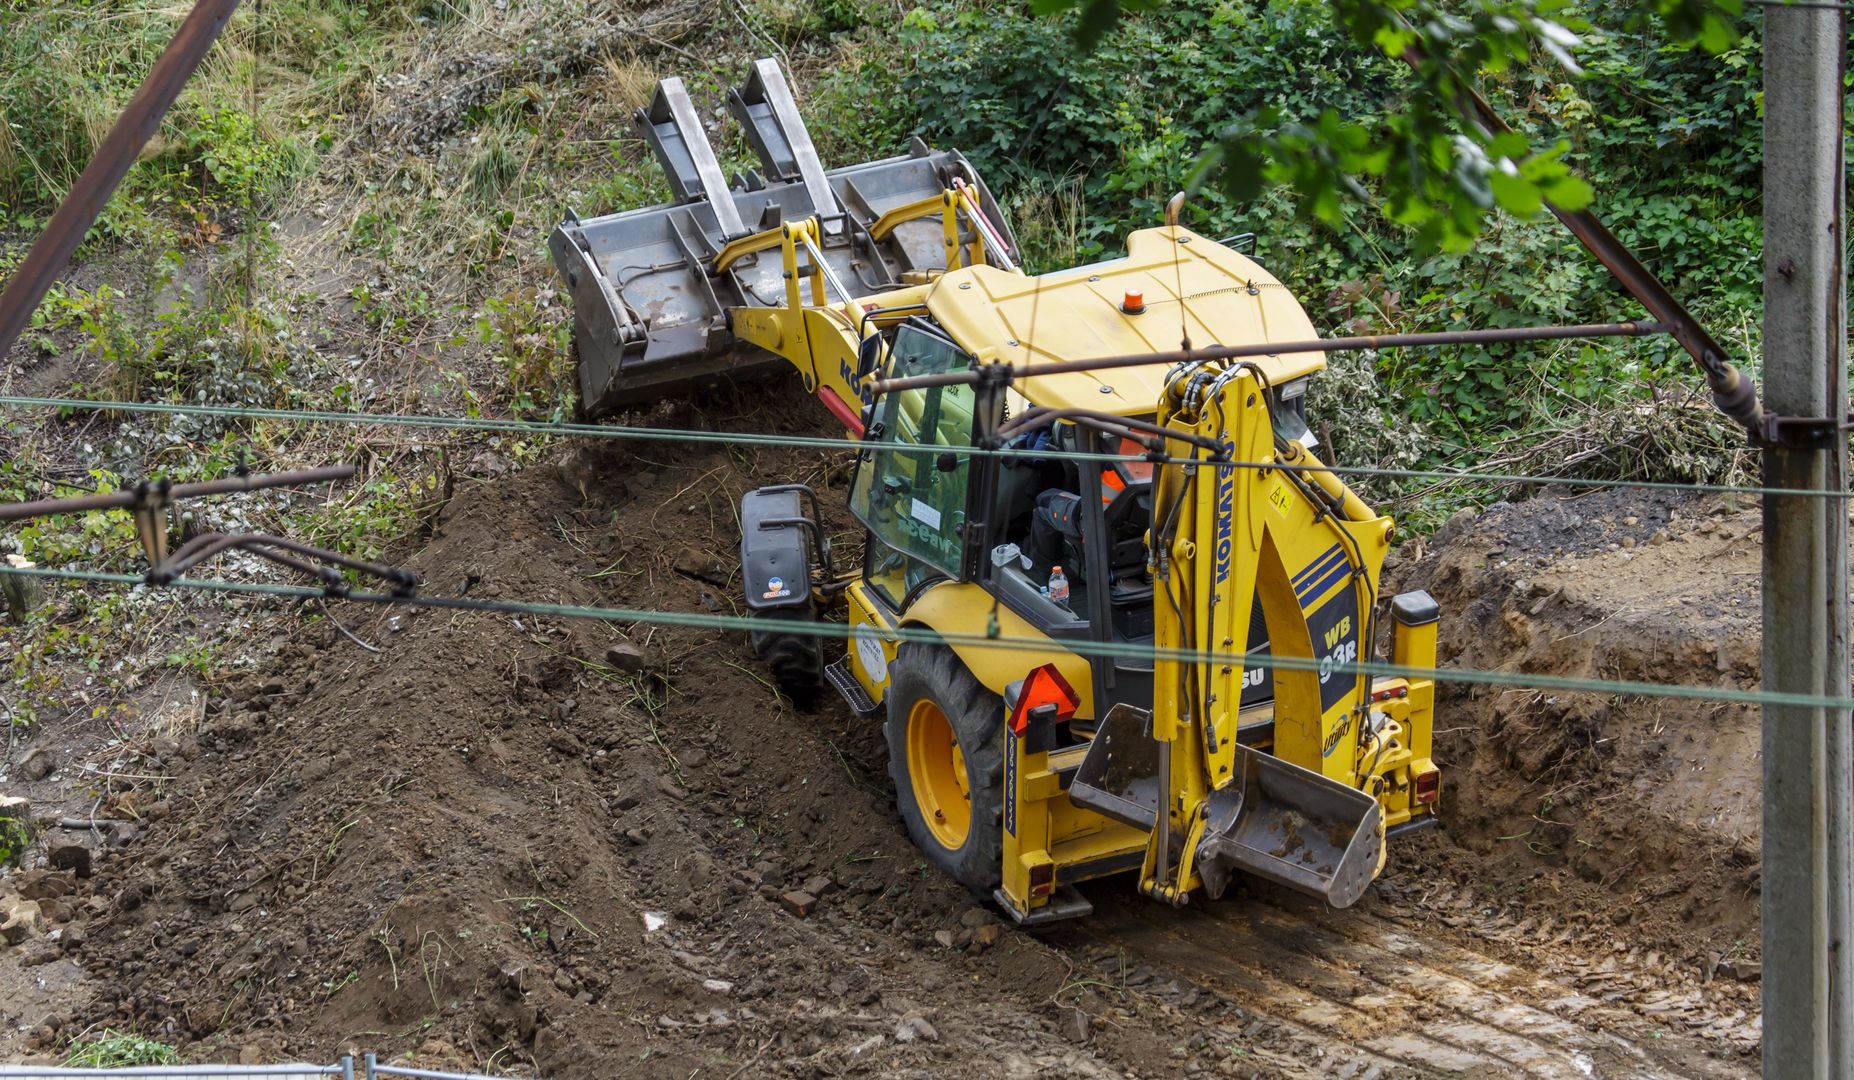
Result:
[{"x": 914, "y": 500}]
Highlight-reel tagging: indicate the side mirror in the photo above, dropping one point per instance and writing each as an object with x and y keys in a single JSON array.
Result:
[{"x": 867, "y": 351}]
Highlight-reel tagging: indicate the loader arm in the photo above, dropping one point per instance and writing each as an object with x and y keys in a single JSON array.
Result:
[
  {"x": 795, "y": 262},
  {"x": 1229, "y": 531}
]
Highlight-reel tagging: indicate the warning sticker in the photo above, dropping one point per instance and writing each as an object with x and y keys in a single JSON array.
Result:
[
  {"x": 925, "y": 514},
  {"x": 869, "y": 655},
  {"x": 1279, "y": 498}
]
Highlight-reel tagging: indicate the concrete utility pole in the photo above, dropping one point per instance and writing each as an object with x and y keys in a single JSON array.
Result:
[{"x": 1808, "y": 753}]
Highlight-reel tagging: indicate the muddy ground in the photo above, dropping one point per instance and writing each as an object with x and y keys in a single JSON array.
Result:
[{"x": 566, "y": 847}]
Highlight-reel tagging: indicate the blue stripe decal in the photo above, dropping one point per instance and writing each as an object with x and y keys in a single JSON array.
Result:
[
  {"x": 1318, "y": 566},
  {"x": 1339, "y": 573}
]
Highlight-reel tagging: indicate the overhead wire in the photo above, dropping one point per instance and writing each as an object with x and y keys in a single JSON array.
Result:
[
  {"x": 836, "y": 443},
  {"x": 1105, "y": 649}
]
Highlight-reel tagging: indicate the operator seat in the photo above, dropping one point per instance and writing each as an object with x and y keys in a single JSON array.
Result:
[
  {"x": 1126, "y": 495},
  {"x": 1127, "y": 516}
]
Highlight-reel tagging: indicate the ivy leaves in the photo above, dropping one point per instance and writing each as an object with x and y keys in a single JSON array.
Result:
[
  {"x": 1425, "y": 161},
  {"x": 1094, "y": 18}
]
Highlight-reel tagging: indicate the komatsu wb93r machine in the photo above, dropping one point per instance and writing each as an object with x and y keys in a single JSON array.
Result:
[{"x": 1112, "y": 616}]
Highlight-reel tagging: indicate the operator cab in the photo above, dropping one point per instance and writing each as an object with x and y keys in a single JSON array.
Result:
[
  {"x": 1088, "y": 517},
  {"x": 1079, "y": 496}
]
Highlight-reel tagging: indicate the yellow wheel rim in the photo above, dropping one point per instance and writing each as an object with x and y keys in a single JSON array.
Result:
[{"x": 938, "y": 772}]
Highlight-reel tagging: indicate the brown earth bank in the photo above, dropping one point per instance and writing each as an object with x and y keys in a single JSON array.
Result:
[
  {"x": 584, "y": 848},
  {"x": 1642, "y": 811}
]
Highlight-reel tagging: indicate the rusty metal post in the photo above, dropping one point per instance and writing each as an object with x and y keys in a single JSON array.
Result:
[
  {"x": 86, "y": 199},
  {"x": 1808, "y": 763}
]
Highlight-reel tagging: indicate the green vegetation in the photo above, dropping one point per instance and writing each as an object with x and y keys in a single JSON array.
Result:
[
  {"x": 15, "y": 837},
  {"x": 346, "y": 209},
  {"x": 1429, "y": 162},
  {"x": 120, "y": 1050},
  {"x": 1084, "y": 144},
  {"x": 70, "y": 65}
]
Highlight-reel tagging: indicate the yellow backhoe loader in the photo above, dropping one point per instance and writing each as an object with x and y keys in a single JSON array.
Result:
[{"x": 1111, "y": 616}]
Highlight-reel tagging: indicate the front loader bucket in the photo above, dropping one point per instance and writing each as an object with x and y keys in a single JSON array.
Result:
[
  {"x": 1292, "y": 826},
  {"x": 1275, "y": 820},
  {"x": 650, "y": 312}
]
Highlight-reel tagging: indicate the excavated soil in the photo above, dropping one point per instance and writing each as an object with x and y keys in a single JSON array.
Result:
[
  {"x": 1642, "y": 811},
  {"x": 495, "y": 843}
]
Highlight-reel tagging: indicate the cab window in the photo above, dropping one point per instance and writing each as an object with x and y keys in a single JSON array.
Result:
[{"x": 911, "y": 496}]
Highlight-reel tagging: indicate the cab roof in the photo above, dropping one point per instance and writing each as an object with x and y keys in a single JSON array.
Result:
[{"x": 1192, "y": 285}]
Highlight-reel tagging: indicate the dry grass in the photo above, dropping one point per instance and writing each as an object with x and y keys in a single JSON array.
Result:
[
  {"x": 9, "y": 159},
  {"x": 1048, "y": 217},
  {"x": 625, "y": 81}
]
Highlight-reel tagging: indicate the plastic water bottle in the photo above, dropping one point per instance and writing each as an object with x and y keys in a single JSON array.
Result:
[{"x": 1059, "y": 586}]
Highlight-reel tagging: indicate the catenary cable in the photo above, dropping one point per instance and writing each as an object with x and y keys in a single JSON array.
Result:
[
  {"x": 820, "y": 442},
  {"x": 818, "y": 628}
]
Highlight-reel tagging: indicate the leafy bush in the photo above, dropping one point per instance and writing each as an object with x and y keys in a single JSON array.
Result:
[
  {"x": 68, "y": 67},
  {"x": 530, "y": 343},
  {"x": 1666, "y": 137}
]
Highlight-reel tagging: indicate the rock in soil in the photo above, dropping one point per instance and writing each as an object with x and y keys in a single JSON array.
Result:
[
  {"x": 626, "y": 657},
  {"x": 512, "y": 977},
  {"x": 1075, "y": 1026},
  {"x": 37, "y": 764},
  {"x": 71, "y": 856},
  {"x": 22, "y": 919},
  {"x": 916, "y": 1027},
  {"x": 39, "y": 952},
  {"x": 798, "y": 902}
]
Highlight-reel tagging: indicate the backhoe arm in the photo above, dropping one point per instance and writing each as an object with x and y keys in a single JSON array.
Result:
[{"x": 1231, "y": 532}]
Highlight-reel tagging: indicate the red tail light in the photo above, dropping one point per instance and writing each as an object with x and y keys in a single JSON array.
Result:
[
  {"x": 1042, "y": 879},
  {"x": 1428, "y": 786}
]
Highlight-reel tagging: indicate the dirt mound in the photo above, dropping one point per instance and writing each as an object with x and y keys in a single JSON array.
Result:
[
  {"x": 488, "y": 844},
  {"x": 1639, "y": 811}
]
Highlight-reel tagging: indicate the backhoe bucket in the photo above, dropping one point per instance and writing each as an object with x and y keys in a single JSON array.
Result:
[
  {"x": 1275, "y": 820},
  {"x": 1119, "y": 776},
  {"x": 1292, "y": 826},
  {"x": 650, "y": 310}
]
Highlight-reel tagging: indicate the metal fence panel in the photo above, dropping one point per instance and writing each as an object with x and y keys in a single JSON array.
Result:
[{"x": 178, "y": 1072}]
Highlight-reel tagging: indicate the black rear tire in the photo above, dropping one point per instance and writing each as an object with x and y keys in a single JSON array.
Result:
[
  {"x": 934, "y": 673},
  {"x": 796, "y": 660}
]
